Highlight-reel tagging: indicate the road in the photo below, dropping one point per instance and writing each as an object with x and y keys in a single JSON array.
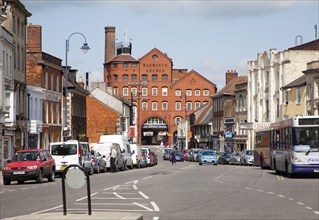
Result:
[{"x": 182, "y": 191}]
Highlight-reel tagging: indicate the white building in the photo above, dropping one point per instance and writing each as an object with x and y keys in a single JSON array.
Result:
[
  {"x": 267, "y": 75},
  {"x": 7, "y": 94},
  {"x": 35, "y": 109}
]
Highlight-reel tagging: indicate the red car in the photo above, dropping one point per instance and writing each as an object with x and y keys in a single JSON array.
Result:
[{"x": 33, "y": 164}]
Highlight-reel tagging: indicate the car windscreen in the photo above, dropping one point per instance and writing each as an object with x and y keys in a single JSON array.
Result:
[
  {"x": 63, "y": 149},
  {"x": 26, "y": 156},
  {"x": 208, "y": 153}
]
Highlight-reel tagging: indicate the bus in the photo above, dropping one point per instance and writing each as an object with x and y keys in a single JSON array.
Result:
[
  {"x": 294, "y": 145},
  {"x": 262, "y": 148}
]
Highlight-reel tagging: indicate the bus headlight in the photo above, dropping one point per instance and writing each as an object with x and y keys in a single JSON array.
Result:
[{"x": 295, "y": 159}]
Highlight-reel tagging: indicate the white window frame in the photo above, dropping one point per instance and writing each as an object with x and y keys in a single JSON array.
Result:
[
  {"x": 154, "y": 106},
  {"x": 178, "y": 106},
  {"x": 205, "y": 92},
  {"x": 144, "y": 106},
  {"x": 125, "y": 91},
  {"x": 178, "y": 92},
  {"x": 164, "y": 91},
  {"x": 298, "y": 96},
  {"x": 189, "y": 92},
  {"x": 189, "y": 106},
  {"x": 197, "y": 92},
  {"x": 165, "y": 106},
  {"x": 154, "y": 91},
  {"x": 115, "y": 90},
  {"x": 134, "y": 91},
  {"x": 197, "y": 105},
  {"x": 144, "y": 91}
]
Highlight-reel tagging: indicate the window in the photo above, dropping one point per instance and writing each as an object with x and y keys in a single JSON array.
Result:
[
  {"x": 144, "y": 77},
  {"x": 154, "y": 106},
  {"x": 286, "y": 97},
  {"x": 189, "y": 106},
  {"x": 154, "y": 78},
  {"x": 115, "y": 65},
  {"x": 197, "y": 105},
  {"x": 125, "y": 91},
  {"x": 277, "y": 108},
  {"x": 133, "y": 65},
  {"x": 298, "y": 96},
  {"x": 134, "y": 91},
  {"x": 125, "y": 65},
  {"x": 154, "y": 91},
  {"x": 206, "y": 92},
  {"x": 133, "y": 77},
  {"x": 177, "y": 105},
  {"x": 116, "y": 78},
  {"x": 144, "y": 106},
  {"x": 46, "y": 75},
  {"x": 144, "y": 92},
  {"x": 197, "y": 92},
  {"x": 178, "y": 120},
  {"x": 164, "y": 91},
  {"x": 116, "y": 91},
  {"x": 125, "y": 77},
  {"x": 164, "y": 77},
  {"x": 57, "y": 84},
  {"x": 178, "y": 92},
  {"x": 189, "y": 92},
  {"x": 164, "y": 106}
]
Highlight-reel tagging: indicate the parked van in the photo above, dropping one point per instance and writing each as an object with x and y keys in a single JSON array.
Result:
[
  {"x": 104, "y": 149},
  {"x": 137, "y": 156},
  {"x": 71, "y": 152},
  {"x": 125, "y": 147}
]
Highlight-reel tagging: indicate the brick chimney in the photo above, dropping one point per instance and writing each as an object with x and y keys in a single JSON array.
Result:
[
  {"x": 230, "y": 75},
  {"x": 34, "y": 38},
  {"x": 81, "y": 83},
  {"x": 109, "y": 43}
]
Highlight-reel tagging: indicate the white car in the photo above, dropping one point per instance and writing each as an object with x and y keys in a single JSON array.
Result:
[{"x": 247, "y": 158}]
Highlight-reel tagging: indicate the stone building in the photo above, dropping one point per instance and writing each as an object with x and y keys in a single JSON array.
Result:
[{"x": 312, "y": 88}]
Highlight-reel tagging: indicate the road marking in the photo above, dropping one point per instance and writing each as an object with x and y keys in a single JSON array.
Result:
[
  {"x": 117, "y": 195},
  {"x": 24, "y": 188},
  {"x": 282, "y": 196},
  {"x": 260, "y": 190},
  {"x": 271, "y": 193},
  {"x": 291, "y": 199},
  {"x": 112, "y": 187},
  {"x": 280, "y": 177},
  {"x": 134, "y": 181},
  {"x": 156, "y": 209},
  {"x": 85, "y": 197},
  {"x": 316, "y": 212},
  {"x": 147, "y": 177},
  {"x": 300, "y": 203},
  {"x": 307, "y": 207},
  {"x": 45, "y": 210},
  {"x": 142, "y": 206},
  {"x": 142, "y": 194},
  {"x": 111, "y": 203},
  {"x": 135, "y": 187},
  {"x": 155, "y": 218}
]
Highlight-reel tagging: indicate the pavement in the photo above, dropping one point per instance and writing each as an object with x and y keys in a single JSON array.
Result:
[{"x": 95, "y": 215}]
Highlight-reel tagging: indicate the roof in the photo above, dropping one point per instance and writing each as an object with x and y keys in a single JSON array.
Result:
[
  {"x": 192, "y": 72},
  {"x": 229, "y": 89},
  {"x": 301, "y": 81},
  {"x": 312, "y": 45},
  {"x": 123, "y": 58}
]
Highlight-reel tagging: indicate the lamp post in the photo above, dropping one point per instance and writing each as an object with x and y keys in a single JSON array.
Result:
[{"x": 85, "y": 49}]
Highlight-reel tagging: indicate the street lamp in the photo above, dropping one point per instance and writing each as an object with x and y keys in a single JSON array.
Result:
[{"x": 85, "y": 48}]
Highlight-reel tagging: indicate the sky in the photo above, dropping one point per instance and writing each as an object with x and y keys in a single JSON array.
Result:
[{"x": 209, "y": 36}]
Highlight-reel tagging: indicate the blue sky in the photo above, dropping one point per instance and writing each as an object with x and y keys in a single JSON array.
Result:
[{"x": 209, "y": 36}]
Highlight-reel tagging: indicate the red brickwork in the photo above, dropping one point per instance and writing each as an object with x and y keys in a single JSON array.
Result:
[{"x": 100, "y": 119}]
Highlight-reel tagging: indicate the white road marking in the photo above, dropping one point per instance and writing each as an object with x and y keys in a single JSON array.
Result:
[
  {"x": 271, "y": 193},
  {"x": 111, "y": 203},
  {"x": 307, "y": 207},
  {"x": 260, "y": 190},
  {"x": 112, "y": 187},
  {"x": 291, "y": 199},
  {"x": 316, "y": 212},
  {"x": 142, "y": 206},
  {"x": 134, "y": 181},
  {"x": 155, "y": 218},
  {"x": 300, "y": 203},
  {"x": 142, "y": 194},
  {"x": 135, "y": 187},
  {"x": 282, "y": 196},
  {"x": 147, "y": 177},
  {"x": 156, "y": 209},
  {"x": 45, "y": 210},
  {"x": 117, "y": 195},
  {"x": 85, "y": 197}
]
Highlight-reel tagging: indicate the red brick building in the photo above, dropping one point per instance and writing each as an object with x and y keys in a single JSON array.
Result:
[
  {"x": 161, "y": 96},
  {"x": 45, "y": 71}
]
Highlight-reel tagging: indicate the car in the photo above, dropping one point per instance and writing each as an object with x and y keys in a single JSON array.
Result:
[
  {"x": 193, "y": 154},
  {"x": 97, "y": 161},
  {"x": 224, "y": 158},
  {"x": 184, "y": 152},
  {"x": 153, "y": 158},
  {"x": 179, "y": 156},
  {"x": 137, "y": 155},
  {"x": 235, "y": 158},
  {"x": 147, "y": 156},
  {"x": 247, "y": 158},
  {"x": 167, "y": 153},
  {"x": 198, "y": 155},
  {"x": 33, "y": 164},
  {"x": 208, "y": 156}
]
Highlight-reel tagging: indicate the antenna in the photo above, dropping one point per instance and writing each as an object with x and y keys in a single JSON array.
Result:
[
  {"x": 316, "y": 31},
  {"x": 296, "y": 40}
]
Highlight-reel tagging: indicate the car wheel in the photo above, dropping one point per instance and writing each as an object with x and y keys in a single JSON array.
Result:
[
  {"x": 51, "y": 177},
  {"x": 200, "y": 164},
  {"x": 6, "y": 181},
  {"x": 104, "y": 170},
  {"x": 40, "y": 177},
  {"x": 98, "y": 169},
  {"x": 20, "y": 181}
]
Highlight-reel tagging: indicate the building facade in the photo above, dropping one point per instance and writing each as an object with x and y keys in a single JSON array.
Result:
[
  {"x": 45, "y": 71},
  {"x": 312, "y": 88},
  {"x": 162, "y": 96}
]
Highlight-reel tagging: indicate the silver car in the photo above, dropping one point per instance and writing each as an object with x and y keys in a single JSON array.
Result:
[
  {"x": 235, "y": 158},
  {"x": 247, "y": 158},
  {"x": 97, "y": 161}
]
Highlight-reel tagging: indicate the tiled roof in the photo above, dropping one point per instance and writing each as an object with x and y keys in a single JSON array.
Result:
[
  {"x": 312, "y": 45},
  {"x": 123, "y": 58},
  {"x": 230, "y": 87},
  {"x": 301, "y": 81}
]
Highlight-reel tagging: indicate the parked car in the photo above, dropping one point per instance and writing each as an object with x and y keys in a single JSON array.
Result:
[
  {"x": 147, "y": 156},
  {"x": 167, "y": 153},
  {"x": 178, "y": 156},
  {"x": 198, "y": 155},
  {"x": 137, "y": 155},
  {"x": 235, "y": 158},
  {"x": 153, "y": 158},
  {"x": 247, "y": 158},
  {"x": 208, "y": 156},
  {"x": 33, "y": 164},
  {"x": 98, "y": 163},
  {"x": 224, "y": 158},
  {"x": 193, "y": 153}
]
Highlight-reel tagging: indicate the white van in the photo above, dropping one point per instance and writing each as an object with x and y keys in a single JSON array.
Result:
[
  {"x": 104, "y": 149},
  {"x": 125, "y": 147},
  {"x": 71, "y": 152},
  {"x": 137, "y": 156}
]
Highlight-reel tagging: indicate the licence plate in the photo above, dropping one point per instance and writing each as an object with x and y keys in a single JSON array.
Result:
[
  {"x": 19, "y": 172},
  {"x": 316, "y": 171}
]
